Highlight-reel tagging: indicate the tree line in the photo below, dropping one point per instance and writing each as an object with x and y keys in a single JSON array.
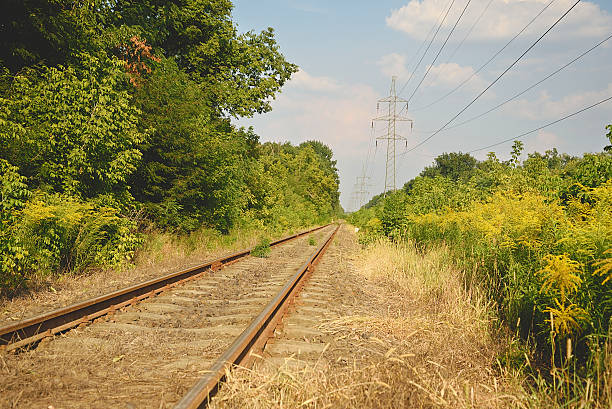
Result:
[{"x": 116, "y": 116}]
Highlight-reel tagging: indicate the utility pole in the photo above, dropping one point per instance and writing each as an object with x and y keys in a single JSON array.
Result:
[
  {"x": 360, "y": 192},
  {"x": 363, "y": 183},
  {"x": 360, "y": 188},
  {"x": 354, "y": 199},
  {"x": 392, "y": 118}
]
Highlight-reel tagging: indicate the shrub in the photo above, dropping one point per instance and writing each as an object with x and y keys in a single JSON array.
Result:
[
  {"x": 62, "y": 234},
  {"x": 262, "y": 249},
  {"x": 13, "y": 197},
  {"x": 537, "y": 237}
]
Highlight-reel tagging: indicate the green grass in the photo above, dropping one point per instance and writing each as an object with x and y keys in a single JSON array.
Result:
[{"x": 262, "y": 249}]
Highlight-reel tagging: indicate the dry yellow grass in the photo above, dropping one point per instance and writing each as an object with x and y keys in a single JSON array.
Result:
[
  {"x": 415, "y": 337},
  {"x": 161, "y": 254},
  {"x": 412, "y": 338}
]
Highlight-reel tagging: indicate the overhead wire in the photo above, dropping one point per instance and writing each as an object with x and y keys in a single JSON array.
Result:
[
  {"x": 469, "y": 31},
  {"x": 416, "y": 54},
  {"x": 494, "y": 81},
  {"x": 452, "y": 2},
  {"x": 439, "y": 51},
  {"x": 367, "y": 164},
  {"x": 461, "y": 84},
  {"x": 532, "y": 86},
  {"x": 542, "y": 127}
]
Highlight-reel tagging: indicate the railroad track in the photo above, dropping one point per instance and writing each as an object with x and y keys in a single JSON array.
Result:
[{"x": 173, "y": 331}]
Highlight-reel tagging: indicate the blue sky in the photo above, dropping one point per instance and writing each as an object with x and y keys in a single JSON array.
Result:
[{"x": 347, "y": 52}]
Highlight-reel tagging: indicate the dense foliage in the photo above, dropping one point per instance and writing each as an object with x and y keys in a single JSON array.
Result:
[
  {"x": 536, "y": 235},
  {"x": 116, "y": 116}
]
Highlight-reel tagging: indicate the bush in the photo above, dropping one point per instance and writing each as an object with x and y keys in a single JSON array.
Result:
[
  {"x": 62, "y": 234},
  {"x": 13, "y": 198},
  {"x": 262, "y": 249},
  {"x": 55, "y": 234},
  {"x": 537, "y": 237}
]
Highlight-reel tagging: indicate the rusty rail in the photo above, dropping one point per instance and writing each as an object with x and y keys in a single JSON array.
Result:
[
  {"x": 253, "y": 337},
  {"x": 34, "y": 329}
]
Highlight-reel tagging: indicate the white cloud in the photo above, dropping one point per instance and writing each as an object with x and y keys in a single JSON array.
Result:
[
  {"x": 321, "y": 108},
  {"x": 542, "y": 142},
  {"x": 303, "y": 80},
  {"x": 325, "y": 109},
  {"x": 546, "y": 108},
  {"x": 503, "y": 19},
  {"x": 393, "y": 64},
  {"x": 449, "y": 75}
]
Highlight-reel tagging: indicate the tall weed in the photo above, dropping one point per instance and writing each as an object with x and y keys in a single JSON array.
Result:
[{"x": 537, "y": 238}]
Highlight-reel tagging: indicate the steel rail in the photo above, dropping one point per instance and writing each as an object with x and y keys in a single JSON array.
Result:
[
  {"x": 34, "y": 329},
  {"x": 253, "y": 337}
]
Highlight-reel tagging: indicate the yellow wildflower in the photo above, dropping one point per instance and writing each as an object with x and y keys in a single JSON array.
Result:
[{"x": 560, "y": 272}]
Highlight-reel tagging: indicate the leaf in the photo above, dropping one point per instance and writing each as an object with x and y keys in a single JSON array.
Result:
[{"x": 118, "y": 358}]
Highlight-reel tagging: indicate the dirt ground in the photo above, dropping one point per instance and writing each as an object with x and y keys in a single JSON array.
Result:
[
  {"x": 162, "y": 255},
  {"x": 150, "y": 354},
  {"x": 377, "y": 327},
  {"x": 382, "y": 327}
]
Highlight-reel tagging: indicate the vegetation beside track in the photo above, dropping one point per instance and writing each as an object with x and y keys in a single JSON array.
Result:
[
  {"x": 402, "y": 332},
  {"x": 536, "y": 236},
  {"x": 116, "y": 123}
]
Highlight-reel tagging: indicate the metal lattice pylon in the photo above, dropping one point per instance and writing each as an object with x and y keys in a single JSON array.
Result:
[{"x": 392, "y": 117}]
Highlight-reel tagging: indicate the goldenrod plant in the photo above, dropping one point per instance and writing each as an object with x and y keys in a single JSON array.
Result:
[{"x": 536, "y": 236}]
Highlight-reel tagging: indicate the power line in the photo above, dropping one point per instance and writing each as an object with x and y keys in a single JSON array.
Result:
[
  {"x": 495, "y": 81},
  {"x": 428, "y": 46},
  {"x": 439, "y": 51},
  {"x": 542, "y": 127},
  {"x": 469, "y": 32},
  {"x": 367, "y": 161},
  {"x": 414, "y": 57},
  {"x": 482, "y": 13},
  {"x": 530, "y": 87},
  {"x": 515, "y": 96},
  {"x": 486, "y": 63}
]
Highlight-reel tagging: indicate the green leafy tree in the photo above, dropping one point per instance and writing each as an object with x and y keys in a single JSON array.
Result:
[
  {"x": 293, "y": 186},
  {"x": 47, "y": 32},
  {"x": 72, "y": 129},
  {"x": 454, "y": 165},
  {"x": 194, "y": 163},
  {"x": 328, "y": 166},
  {"x": 517, "y": 149},
  {"x": 242, "y": 72},
  {"x": 393, "y": 215}
]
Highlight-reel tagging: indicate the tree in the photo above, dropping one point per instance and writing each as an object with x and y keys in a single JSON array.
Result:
[
  {"x": 193, "y": 164},
  {"x": 72, "y": 129},
  {"x": 608, "y": 148},
  {"x": 393, "y": 214},
  {"x": 517, "y": 149},
  {"x": 454, "y": 165},
  {"x": 242, "y": 72},
  {"x": 47, "y": 32},
  {"x": 328, "y": 166}
]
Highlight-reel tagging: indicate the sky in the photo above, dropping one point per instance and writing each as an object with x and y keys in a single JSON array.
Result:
[{"x": 348, "y": 50}]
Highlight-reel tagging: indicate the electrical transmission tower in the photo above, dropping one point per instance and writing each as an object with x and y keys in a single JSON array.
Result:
[
  {"x": 361, "y": 190},
  {"x": 392, "y": 118}
]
